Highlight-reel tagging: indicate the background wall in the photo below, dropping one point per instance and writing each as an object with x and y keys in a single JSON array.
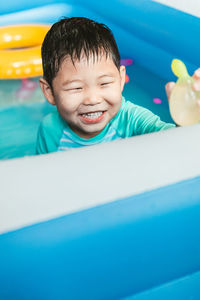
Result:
[{"x": 192, "y": 7}]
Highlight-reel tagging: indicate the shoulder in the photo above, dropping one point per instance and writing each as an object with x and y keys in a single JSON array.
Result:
[
  {"x": 49, "y": 133},
  {"x": 134, "y": 109},
  {"x": 52, "y": 123},
  {"x": 129, "y": 109},
  {"x": 120, "y": 121},
  {"x": 50, "y": 120}
]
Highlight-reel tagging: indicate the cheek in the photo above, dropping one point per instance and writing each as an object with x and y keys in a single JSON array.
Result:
[
  {"x": 114, "y": 94},
  {"x": 69, "y": 103}
]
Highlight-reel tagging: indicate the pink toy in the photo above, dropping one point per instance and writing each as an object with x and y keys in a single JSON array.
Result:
[
  {"x": 126, "y": 62},
  {"x": 26, "y": 89},
  {"x": 157, "y": 100}
]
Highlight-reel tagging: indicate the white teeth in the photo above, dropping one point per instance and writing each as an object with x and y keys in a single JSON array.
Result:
[{"x": 93, "y": 115}]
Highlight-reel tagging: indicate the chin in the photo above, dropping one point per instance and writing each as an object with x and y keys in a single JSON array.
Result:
[{"x": 95, "y": 129}]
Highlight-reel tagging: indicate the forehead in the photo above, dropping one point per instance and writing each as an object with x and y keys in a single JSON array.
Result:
[{"x": 91, "y": 62}]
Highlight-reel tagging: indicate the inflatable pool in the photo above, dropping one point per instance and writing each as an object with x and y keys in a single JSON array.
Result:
[{"x": 113, "y": 221}]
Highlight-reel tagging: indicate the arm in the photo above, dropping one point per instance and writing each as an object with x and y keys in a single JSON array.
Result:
[{"x": 138, "y": 120}]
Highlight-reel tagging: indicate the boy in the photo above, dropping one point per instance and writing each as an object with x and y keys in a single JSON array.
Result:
[{"x": 84, "y": 79}]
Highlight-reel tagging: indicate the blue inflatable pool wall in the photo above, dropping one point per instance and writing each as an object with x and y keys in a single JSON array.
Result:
[
  {"x": 139, "y": 245},
  {"x": 153, "y": 34}
]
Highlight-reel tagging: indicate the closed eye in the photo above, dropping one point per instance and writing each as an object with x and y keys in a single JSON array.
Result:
[
  {"x": 75, "y": 89},
  {"x": 106, "y": 83}
]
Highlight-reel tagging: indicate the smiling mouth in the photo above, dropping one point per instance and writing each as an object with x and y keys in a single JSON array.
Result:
[{"x": 92, "y": 117}]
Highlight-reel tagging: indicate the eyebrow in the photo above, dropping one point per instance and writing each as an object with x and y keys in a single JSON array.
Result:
[
  {"x": 80, "y": 81},
  {"x": 106, "y": 75},
  {"x": 71, "y": 81}
]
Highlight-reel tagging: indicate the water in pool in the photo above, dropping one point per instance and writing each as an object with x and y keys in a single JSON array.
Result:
[{"x": 22, "y": 107}]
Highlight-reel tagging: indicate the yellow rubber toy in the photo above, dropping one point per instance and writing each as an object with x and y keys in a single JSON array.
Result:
[
  {"x": 183, "y": 100},
  {"x": 20, "y": 50}
]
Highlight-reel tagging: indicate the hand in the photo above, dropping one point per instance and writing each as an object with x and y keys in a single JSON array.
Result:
[{"x": 196, "y": 86}]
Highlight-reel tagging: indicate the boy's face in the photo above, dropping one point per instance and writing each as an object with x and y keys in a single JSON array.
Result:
[{"x": 87, "y": 94}]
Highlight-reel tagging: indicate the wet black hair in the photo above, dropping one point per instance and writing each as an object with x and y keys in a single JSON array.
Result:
[{"x": 72, "y": 37}]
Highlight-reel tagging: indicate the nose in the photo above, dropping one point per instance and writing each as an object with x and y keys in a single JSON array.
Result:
[{"x": 92, "y": 97}]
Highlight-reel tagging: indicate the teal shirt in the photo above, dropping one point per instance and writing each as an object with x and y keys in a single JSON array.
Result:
[{"x": 54, "y": 134}]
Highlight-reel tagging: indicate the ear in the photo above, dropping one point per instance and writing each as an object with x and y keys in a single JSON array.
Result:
[
  {"x": 122, "y": 76},
  {"x": 47, "y": 91}
]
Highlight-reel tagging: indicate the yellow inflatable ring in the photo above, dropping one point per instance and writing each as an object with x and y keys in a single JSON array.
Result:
[{"x": 20, "y": 50}]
